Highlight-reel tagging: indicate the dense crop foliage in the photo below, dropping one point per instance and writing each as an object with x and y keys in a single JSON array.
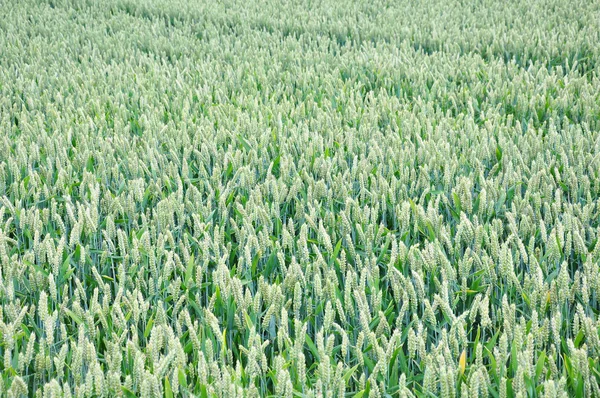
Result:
[{"x": 299, "y": 198}]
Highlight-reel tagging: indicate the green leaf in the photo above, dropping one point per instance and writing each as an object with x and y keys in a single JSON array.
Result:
[
  {"x": 36, "y": 267},
  {"x": 457, "y": 202},
  {"x": 65, "y": 264},
  {"x": 243, "y": 142},
  {"x": 579, "y": 391},
  {"x": 189, "y": 271},
  {"x": 510, "y": 195},
  {"x": 229, "y": 171},
  {"x": 514, "y": 364},
  {"x": 493, "y": 364},
  {"x": 128, "y": 393},
  {"x": 579, "y": 338},
  {"x": 539, "y": 367},
  {"x": 181, "y": 378},
  {"x": 203, "y": 392},
  {"x": 168, "y": 391},
  {"x": 349, "y": 373},
  {"x": 73, "y": 316},
  {"x": 275, "y": 169},
  {"x": 149, "y": 326},
  {"x": 477, "y": 337},
  {"x": 529, "y": 384},
  {"x": 312, "y": 347},
  {"x": 254, "y": 265},
  {"x": 430, "y": 230},
  {"x": 336, "y": 251},
  {"x": 89, "y": 165},
  {"x": 272, "y": 263}
]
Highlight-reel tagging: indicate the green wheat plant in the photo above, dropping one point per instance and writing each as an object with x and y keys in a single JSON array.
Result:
[{"x": 299, "y": 199}]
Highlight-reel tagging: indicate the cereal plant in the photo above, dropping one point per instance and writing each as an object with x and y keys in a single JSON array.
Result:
[{"x": 299, "y": 199}]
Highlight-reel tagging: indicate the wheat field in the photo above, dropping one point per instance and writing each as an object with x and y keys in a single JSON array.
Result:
[{"x": 299, "y": 198}]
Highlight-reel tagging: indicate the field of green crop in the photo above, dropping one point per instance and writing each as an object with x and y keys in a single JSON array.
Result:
[{"x": 299, "y": 198}]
